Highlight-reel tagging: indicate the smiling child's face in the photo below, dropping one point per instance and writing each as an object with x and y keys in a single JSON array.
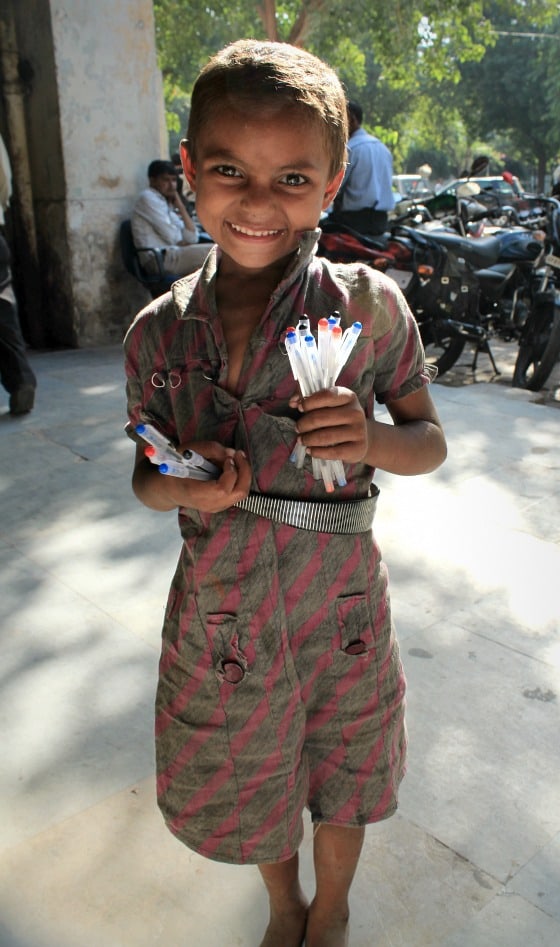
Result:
[{"x": 260, "y": 180}]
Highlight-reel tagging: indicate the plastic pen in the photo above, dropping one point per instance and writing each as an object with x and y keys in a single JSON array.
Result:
[
  {"x": 163, "y": 453},
  {"x": 154, "y": 455},
  {"x": 190, "y": 464},
  {"x": 192, "y": 459},
  {"x": 349, "y": 340},
  {"x": 294, "y": 355},
  {"x": 335, "y": 333},
  {"x": 305, "y": 368},
  {"x": 311, "y": 359},
  {"x": 303, "y": 327},
  {"x": 297, "y": 456},
  {"x": 174, "y": 469},
  {"x": 152, "y": 436},
  {"x": 323, "y": 339}
]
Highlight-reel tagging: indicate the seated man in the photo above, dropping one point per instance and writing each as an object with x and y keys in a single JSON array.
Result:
[{"x": 160, "y": 219}]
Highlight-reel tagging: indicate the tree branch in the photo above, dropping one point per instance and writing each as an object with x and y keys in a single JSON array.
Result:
[{"x": 302, "y": 24}]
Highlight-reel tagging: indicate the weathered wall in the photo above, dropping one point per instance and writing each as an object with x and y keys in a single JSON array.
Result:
[{"x": 94, "y": 110}]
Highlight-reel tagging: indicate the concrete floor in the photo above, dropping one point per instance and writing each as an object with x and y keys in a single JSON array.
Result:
[{"x": 472, "y": 859}]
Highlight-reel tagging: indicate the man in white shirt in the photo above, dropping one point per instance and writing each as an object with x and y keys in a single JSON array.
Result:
[{"x": 161, "y": 220}]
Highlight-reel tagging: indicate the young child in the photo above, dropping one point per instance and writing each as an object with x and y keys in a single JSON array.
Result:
[{"x": 280, "y": 685}]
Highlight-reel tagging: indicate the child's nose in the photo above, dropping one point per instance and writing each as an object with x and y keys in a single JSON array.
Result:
[{"x": 257, "y": 195}]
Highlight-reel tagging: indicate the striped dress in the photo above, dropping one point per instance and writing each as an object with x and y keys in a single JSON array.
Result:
[{"x": 280, "y": 685}]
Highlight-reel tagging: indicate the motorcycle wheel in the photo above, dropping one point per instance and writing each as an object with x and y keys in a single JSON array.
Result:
[
  {"x": 442, "y": 347},
  {"x": 539, "y": 348}
]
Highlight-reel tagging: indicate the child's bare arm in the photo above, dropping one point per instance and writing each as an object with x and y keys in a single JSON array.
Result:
[
  {"x": 333, "y": 425},
  {"x": 164, "y": 492}
]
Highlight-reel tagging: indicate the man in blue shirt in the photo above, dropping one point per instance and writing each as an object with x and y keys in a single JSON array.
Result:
[{"x": 366, "y": 194}]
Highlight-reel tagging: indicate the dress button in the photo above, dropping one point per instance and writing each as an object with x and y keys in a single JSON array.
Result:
[
  {"x": 355, "y": 647},
  {"x": 233, "y": 672}
]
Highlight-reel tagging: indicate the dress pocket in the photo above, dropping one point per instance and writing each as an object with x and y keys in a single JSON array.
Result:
[
  {"x": 355, "y": 633},
  {"x": 229, "y": 660}
]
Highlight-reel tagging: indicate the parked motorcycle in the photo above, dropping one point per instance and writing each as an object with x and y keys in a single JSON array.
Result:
[
  {"x": 472, "y": 212},
  {"x": 482, "y": 289},
  {"x": 539, "y": 343},
  {"x": 470, "y": 290}
]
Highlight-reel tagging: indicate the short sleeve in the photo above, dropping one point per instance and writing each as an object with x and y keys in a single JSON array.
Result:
[
  {"x": 400, "y": 363},
  {"x": 142, "y": 345}
]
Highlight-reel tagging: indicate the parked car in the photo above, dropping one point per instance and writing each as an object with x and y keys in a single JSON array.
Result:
[
  {"x": 411, "y": 187},
  {"x": 505, "y": 192},
  {"x": 492, "y": 192}
]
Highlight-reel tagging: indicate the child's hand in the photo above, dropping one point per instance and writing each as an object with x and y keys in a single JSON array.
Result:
[
  {"x": 164, "y": 492},
  {"x": 332, "y": 425},
  {"x": 213, "y": 496}
]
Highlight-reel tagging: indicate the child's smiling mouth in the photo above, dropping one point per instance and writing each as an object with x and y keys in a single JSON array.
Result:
[{"x": 250, "y": 232}]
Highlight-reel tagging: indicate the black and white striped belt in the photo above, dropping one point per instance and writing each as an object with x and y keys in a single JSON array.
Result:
[{"x": 321, "y": 516}]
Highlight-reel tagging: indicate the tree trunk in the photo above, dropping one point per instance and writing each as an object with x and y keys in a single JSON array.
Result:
[
  {"x": 302, "y": 24},
  {"x": 267, "y": 13},
  {"x": 541, "y": 172}
]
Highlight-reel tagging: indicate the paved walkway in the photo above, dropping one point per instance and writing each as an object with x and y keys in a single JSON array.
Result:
[{"x": 472, "y": 859}]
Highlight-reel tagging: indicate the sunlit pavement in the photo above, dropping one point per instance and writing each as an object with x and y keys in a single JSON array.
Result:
[{"x": 472, "y": 859}]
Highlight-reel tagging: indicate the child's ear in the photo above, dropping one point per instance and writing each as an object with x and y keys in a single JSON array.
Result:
[
  {"x": 188, "y": 164},
  {"x": 332, "y": 188}
]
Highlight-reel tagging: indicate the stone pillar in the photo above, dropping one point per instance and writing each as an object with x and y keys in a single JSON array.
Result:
[{"x": 94, "y": 117}]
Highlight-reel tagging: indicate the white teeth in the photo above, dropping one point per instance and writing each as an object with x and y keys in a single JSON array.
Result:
[{"x": 254, "y": 233}]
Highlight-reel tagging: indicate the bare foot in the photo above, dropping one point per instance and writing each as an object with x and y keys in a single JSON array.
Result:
[
  {"x": 286, "y": 928},
  {"x": 326, "y": 929}
]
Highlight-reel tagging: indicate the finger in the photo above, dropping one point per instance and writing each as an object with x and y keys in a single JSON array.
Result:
[
  {"x": 339, "y": 417},
  {"x": 350, "y": 450},
  {"x": 296, "y": 399},
  {"x": 332, "y": 436},
  {"x": 340, "y": 442},
  {"x": 244, "y": 472},
  {"x": 235, "y": 480},
  {"x": 349, "y": 453},
  {"x": 327, "y": 397}
]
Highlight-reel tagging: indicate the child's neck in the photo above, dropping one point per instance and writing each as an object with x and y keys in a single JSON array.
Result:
[
  {"x": 242, "y": 296},
  {"x": 231, "y": 274}
]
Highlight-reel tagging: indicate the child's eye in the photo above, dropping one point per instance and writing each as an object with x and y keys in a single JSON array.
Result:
[
  {"x": 227, "y": 170},
  {"x": 293, "y": 179}
]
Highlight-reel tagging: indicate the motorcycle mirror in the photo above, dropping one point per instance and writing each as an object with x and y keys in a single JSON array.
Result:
[{"x": 479, "y": 166}]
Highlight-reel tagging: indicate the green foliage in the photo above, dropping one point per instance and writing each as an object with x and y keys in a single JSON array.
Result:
[
  {"x": 513, "y": 90},
  {"x": 431, "y": 75}
]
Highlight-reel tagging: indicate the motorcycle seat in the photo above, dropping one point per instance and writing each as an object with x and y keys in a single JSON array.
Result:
[
  {"x": 377, "y": 242},
  {"x": 484, "y": 251}
]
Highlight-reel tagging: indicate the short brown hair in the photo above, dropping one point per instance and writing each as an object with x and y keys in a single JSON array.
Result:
[{"x": 250, "y": 72}]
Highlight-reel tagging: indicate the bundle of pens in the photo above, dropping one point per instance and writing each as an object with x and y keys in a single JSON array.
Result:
[
  {"x": 169, "y": 460},
  {"x": 316, "y": 365}
]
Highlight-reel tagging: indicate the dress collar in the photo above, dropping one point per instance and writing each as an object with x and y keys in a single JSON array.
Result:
[{"x": 194, "y": 295}]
